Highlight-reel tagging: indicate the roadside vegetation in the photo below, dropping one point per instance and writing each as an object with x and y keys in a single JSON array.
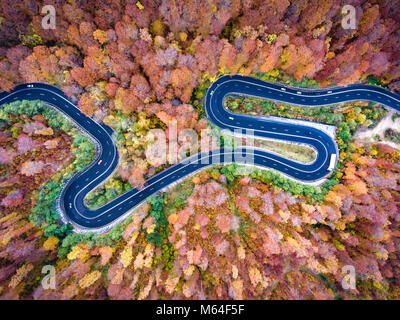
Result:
[
  {"x": 392, "y": 135},
  {"x": 277, "y": 75},
  {"x": 347, "y": 117},
  {"x": 295, "y": 152},
  {"x": 355, "y": 114},
  {"x": 274, "y": 75},
  {"x": 28, "y": 120},
  {"x": 108, "y": 191}
]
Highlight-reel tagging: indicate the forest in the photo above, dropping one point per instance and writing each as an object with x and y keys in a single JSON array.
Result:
[{"x": 227, "y": 232}]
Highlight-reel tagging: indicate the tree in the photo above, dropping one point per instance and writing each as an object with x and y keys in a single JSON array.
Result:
[
  {"x": 86, "y": 104},
  {"x": 13, "y": 199}
]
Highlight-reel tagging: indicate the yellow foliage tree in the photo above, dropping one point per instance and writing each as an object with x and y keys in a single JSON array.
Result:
[
  {"x": 20, "y": 275},
  {"x": 358, "y": 188},
  {"x": 74, "y": 253},
  {"x": 79, "y": 251},
  {"x": 139, "y": 261},
  {"x": 89, "y": 279},
  {"x": 100, "y": 36},
  {"x": 51, "y": 243},
  {"x": 126, "y": 256}
]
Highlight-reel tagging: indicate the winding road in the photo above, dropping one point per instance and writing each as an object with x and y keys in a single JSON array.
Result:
[{"x": 72, "y": 197}]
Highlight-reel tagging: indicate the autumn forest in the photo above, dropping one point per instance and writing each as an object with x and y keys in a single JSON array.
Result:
[{"x": 227, "y": 232}]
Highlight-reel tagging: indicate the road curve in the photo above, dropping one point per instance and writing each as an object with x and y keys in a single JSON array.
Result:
[{"x": 99, "y": 220}]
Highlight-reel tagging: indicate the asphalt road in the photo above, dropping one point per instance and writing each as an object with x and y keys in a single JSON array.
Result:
[{"x": 73, "y": 194}]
